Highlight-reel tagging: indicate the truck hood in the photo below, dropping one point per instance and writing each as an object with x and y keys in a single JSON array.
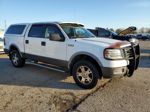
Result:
[
  {"x": 127, "y": 31},
  {"x": 103, "y": 42}
]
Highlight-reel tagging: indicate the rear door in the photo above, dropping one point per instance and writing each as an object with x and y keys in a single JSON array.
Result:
[{"x": 35, "y": 41}]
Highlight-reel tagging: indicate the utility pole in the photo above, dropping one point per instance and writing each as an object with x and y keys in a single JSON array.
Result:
[{"x": 5, "y": 25}]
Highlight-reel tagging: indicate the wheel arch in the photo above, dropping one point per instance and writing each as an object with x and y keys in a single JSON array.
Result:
[
  {"x": 85, "y": 55},
  {"x": 14, "y": 47}
]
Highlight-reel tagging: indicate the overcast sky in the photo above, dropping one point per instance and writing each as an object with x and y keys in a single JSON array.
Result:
[{"x": 92, "y": 13}]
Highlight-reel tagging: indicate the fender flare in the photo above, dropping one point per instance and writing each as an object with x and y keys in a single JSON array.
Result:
[
  {"x": 84, "y": 53},
  {"x": 13, "y": 45}
]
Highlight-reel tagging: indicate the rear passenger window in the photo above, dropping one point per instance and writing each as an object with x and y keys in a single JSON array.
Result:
[
  {"x": 16, "y": 29},
  {"x": 37, "y": 31}
]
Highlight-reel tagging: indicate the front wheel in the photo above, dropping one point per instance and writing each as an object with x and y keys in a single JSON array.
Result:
[
  {"x": 16, "y": 59},
  {"x": 85, "y": 74}
]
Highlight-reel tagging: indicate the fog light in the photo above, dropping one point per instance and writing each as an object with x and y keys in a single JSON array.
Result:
[{"x": 119, "y": 70}]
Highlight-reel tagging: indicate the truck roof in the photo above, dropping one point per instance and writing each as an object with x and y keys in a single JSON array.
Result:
[{"x": 56, "y": 22}]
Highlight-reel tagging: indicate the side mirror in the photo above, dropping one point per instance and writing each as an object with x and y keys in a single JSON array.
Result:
[{"x": 56, "y": 37}]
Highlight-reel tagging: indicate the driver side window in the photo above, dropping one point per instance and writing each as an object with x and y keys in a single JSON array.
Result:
[{"x": 52, "y": 30}]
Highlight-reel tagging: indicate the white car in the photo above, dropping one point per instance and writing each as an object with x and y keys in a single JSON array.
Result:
[
  {"x": 69, "y": 47},
  {"x": 1, "y": 45}
]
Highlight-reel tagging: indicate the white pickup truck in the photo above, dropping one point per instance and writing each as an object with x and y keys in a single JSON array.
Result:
[{"x": 71, "y": 48}]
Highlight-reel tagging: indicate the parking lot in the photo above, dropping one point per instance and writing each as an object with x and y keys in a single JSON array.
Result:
[{"x": 38, "y": 89}]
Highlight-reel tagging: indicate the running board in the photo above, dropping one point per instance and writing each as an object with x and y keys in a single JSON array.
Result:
[{"x": 47, "y": 67}]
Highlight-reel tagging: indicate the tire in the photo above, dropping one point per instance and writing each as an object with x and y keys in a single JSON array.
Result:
[
  {"x": 81, "y": 76},
  {"x": 16, "y": 59}
]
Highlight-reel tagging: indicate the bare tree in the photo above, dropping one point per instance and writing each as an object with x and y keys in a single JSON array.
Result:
[
  {"x": 144, "y": 30},
  {"x": 111, "y": 29},
  {"x": 118, "y": 30},
  {"x": 148, "y": 31},
  {"x": 141, "y": 30}
]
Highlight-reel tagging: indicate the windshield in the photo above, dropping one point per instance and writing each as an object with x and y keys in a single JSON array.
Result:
[{"x": 77, "y": 32}]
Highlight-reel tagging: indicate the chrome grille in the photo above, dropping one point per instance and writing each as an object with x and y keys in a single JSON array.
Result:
[{"x": 129, "y": 54}]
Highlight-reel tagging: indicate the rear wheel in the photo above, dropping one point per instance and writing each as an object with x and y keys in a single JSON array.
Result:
[
  {"x": 16, "y": 59},
  {"x": 85, "y": 74}
]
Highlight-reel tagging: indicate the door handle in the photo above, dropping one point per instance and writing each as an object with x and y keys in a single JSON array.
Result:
[
  {"x": 43, "y": 43},
  {"x": 27, "y": 41}
]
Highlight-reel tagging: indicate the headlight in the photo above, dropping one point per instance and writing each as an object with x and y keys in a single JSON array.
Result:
[
  {"x": 134, "y": 41},
  {"x": 113, "y": 54}
]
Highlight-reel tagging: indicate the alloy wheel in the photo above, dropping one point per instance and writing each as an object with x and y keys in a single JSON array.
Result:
[{"x": 84, "y": 75}]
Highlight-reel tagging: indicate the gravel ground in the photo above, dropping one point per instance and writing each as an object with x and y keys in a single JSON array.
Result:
[
  {"x": 35, "y": 89},
  {"x": 121, "y": 95},
  {"x": 145, "y": 44}
]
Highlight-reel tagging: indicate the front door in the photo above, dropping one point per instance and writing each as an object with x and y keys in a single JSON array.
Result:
[{"x": 55, "y": 49}]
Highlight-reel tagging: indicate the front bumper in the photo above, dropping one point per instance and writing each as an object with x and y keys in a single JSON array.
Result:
[
  {"x": 133, "y": 56},
  {"x": 110, "y": 72}
]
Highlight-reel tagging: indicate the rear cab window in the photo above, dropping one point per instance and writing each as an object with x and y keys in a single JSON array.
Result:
[{"x": 16, "y": 29}]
